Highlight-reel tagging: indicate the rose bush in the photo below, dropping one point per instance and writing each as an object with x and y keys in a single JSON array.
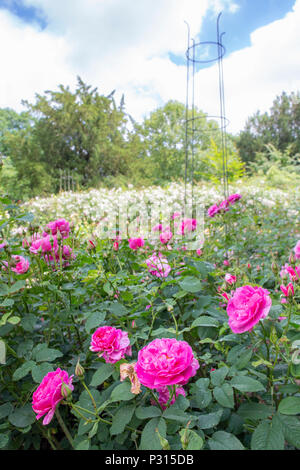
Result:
[{"x": 174, "y": 368}]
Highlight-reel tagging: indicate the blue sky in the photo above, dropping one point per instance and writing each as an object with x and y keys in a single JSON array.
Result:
[
  {"x": 138, "y": 48},
  {"x": 28, "y": 14},
  {"x": 238, "y": 26},
  {"x": 249, "y": 15}
]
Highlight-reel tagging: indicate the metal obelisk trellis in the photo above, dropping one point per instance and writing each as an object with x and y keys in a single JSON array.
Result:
[{"x": 193, "y": 60}]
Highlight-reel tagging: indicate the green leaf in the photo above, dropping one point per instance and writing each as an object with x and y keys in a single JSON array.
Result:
[
  {"x": 22, "y": 417},
  {"x": 83, "y": 445},
  {"x": 7, "y": 303},
  {"x": 217, "y": 376},
  {"x": 5, "y": 410},
  {"x": 175, "y": 414},
  {"x": 224, "y": 395},
  {"x": 4, "y": 289},
  {"x": 222, "y": 440},
  {"x": 254, "y": 411},
  {"x": 94, "y": 320},
  {"x": 17, "y": 286},
  {"x": 289, "y": 406},
  {"x": 118, "y": 309},
  {"x": 14, "y": 320},
  {"x": 144, "y": 412},
  {"x": 121, "y": 419},
  {"x": 149, "y": 438},
  {"x": 204, "y": 267},
  {"x": 4, "y": 439},
  {"x": 207, "y": 421},
  {"x": 23, "y": 370},
  {"x": 84, "y": 427},
  {"x": 190, "y": 284},
  {"x": 122, "y": 392},
  {"x": 246, "y": 384},
  {"x": 268, "y": 436},
  {"x": 108, "y": 288},
  {"x": 39, "y": 371},
  {"x": 243, "y": 359},
  {"x": 102, "y": 374},
  {"x": 47, "y": 354},
  {"x": 190, "y": 440},
  {"x": 28, "y": 322},
  {"x": 205, "y": 320},
  {"x": 291, "y": 429},
  {"x": 202, "y": 396},
  {"x": 86, "y": 402}
]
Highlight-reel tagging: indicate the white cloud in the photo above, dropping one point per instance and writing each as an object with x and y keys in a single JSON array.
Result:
[
  {"x": 124, "y": 45},
  {"x": 31, "y": 61}
]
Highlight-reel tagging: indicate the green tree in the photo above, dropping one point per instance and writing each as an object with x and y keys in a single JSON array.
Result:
[
  {"x": 83, "y": 132},
  {"x": 11, "y": 122},
  {"x": 280, "y": 127},
  {"x": 164, "y": 139}
]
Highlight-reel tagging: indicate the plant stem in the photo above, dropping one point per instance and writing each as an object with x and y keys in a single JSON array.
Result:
[
  {"x": 156, "y": 400},
  {"x": 64, "y": 427},
  {"x": 90, "y": 395},
  {"x": 46, "y": 436}
]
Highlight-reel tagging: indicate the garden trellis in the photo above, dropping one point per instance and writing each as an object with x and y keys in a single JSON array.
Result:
[
  {"x": 196, "y": 57},
  {"x": 67, "y": 181}
]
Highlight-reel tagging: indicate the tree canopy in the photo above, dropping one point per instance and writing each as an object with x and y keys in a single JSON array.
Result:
[
  {"x": 88, "y": 135},
  {"x": 280, "y": 127}
]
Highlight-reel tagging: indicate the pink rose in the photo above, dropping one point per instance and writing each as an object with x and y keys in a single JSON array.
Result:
[
  {"x": 288, "y": 290},
  {"x": 297, "y": 250},
  {"x": 213, "y": 210},
  {"x": 292, "y": 273},
  {"x": 136, "y": 243},
  {"x": 45, "y": 245},
  {"x": 226, "y": 296},
  {"x": 233, "y": 197},
  {"x": 67, "y": 252},
  {"x": 110, "y": 343},
  {"x": 199, "y": 252},
  {"x": 164, "y": 396},
  {"x": 158, "y": 266},
  {"x": 283, "y": 272},
  {"x": 21, "y": 266},
  {"x": 60, "y": 225},
  {"x": 187, "y": 225},
  {"x": 226, "y": 262},
  {"x": 230, "y": 279},
  {"x": 247, "y": 306},
  {"x": 157, "y": 228},
  {"x": 48, "y": 394},
  {"x": 165, "y": 236},
  {"x": 224, "y": 206},
  {"x": 166, "y": 361}
]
